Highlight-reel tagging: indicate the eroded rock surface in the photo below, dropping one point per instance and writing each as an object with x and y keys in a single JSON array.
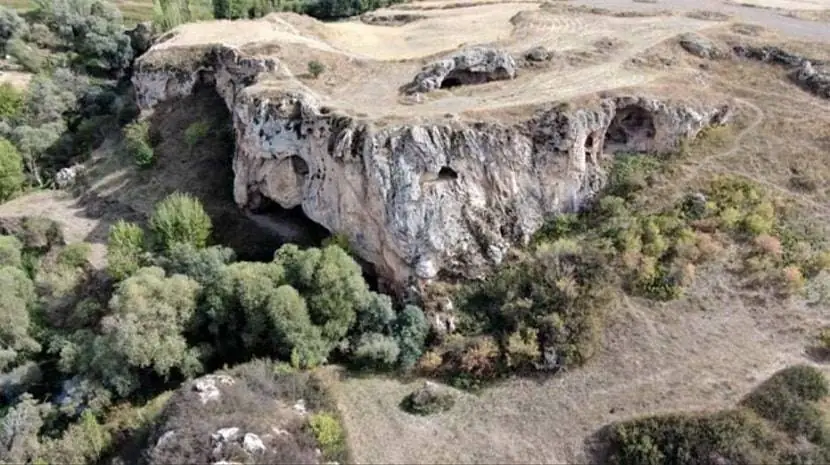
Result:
[
  {"x": 429, "y": 197},
  {"x": 474, "y": 65},
  {"x": 809, "y": 74}
]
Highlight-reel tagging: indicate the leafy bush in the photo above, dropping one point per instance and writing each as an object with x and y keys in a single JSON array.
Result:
[
  {"x": 83, "y": 442},
  {"x": 19, "y": 431},
  {"x": 180, "y": 218},
  {"x": 787, "y": 399},
  {"x": 30, "y": 58},
  {"x": 376, "y": 350},
  {"x": 11, "y": 100},
  {"x": 427, "y": 400},
  {"x": 735, "y": 435},
  {"x": 74, "y": 255},
  {"x": 11, "y": 26},
  {"x": 137, "y": 143},
  {"x": 411, "y": 330},
  {"x": 329, "y": 434},
  {"x": 125, "y": 248},
  {"x": 196, "y": 132},
  {"x": 16, "y": 339},
  {"x": 10, "y": 252},
  {"x": 11, "y": 169},
  {"x": 315, "y": 68}
]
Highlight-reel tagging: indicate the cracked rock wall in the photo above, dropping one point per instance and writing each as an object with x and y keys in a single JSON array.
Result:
[{"x": 421, "y": 199}]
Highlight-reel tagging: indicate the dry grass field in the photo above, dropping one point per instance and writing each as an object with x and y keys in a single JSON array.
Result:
[{"x": 704, "y": 351}]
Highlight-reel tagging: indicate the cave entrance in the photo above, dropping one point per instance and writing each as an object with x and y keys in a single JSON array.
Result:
[
  {"x": 632, "y": 129},
  {"x": 458, "y": 78},
  {"x": 289, "y": 225}
]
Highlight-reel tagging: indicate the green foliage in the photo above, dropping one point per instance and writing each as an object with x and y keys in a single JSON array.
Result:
[
  {"x": 631, "y": 173},
  {"x": 332, "y": 283},
  {"x": 19, "y": 431},
  {"x": 125, "y": 248},
  {"x": 11, "y": 170},
  {"x": 10, "y": 252},
  {"x": 31, "y": 59},
  {"x": 787, "y": 399},
  {"x": 329, "y": 434},
  {"x": 204, "y": 265},
  {"x": 428, "y": 400},
  {"x": 144, "y": 331},
  {"x": 411, "y": 332},
  {"x": 83, "y": 442},
  {"x": 74, "y": 255},
  {"x": 16, "y": 339},
  {"x": 11, "y": 100},
  {"x": 180, "y": 218},
  {"x": 196, "y": 132},
  {"x": 137, "y": 143},
  {"x": 11, "y": 26},
  {"x": 168, "y": 14},
  {"x": 376, "y": 350},
  {"x": 315, "y": 68},
  {"x": 735, "y": 435},
  {"x": 93, "y": 29}
]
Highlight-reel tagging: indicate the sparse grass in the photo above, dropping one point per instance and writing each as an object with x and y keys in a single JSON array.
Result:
[{"x": 196, "y": 132}]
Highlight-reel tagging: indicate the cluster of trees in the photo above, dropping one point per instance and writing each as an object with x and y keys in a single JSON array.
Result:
[
  {"x": 78, "y": 51},
  {"x": 170, "y": 307}
]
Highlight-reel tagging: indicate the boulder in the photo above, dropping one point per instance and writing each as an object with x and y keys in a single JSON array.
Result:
[
  {"x": 537, "y": 54},
  {"x": 475, "y": 65},
  {"x": 814, "y": 78},
  {"x": 700, "y": 46},
  {"x": 208, "y": 387},
  {"x": 253, "y": 444}
]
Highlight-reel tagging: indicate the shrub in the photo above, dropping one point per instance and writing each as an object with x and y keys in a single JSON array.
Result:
[
  {"x": 83, "y": 442},
  {"x": 787, "y": 399},
  {"x": 125, "y": 248},
  {"x": 18, "y": 300},
  {"x": 11, "y": 170},
  {"x": 736, "y": 436},
  {"x": 10, "y": 252},
  {"x": 428, "y": 400},
  {"x": 315, "y": 68},
  {"x": 196, "y": 132},
  {"x": 74, "y": 255},
  {"x": 376, "y": 350},
  {"x": 31, "y": 59},
  {"x": 180, "y": 218},
  {"x": 11, "y": 25},
  {"x": 411, "y": 330},
  {"x": 137, "y": 143},
  {"x": 329, "y": 434},
  {"x": 11, "y": 101}
]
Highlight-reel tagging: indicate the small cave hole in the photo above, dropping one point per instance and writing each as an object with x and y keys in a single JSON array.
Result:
[
  {"x": 299, "y": 165},
  {"x": 589, "y": 142},
  {"x": 451, "y": 82},
  {"x": 632, "y": 129},
  {"x": 447, "y": 174}
]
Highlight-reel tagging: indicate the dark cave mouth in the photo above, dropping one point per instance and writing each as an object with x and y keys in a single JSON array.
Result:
[{"x": 632, "y": 129}]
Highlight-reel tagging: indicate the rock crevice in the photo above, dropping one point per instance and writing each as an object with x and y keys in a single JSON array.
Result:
[{"x": 420, "y": 199}]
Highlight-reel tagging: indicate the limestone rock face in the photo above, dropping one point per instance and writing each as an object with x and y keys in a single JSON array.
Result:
[
  {"x": 474, "y": 65},
  {"x": 425, "y": 198}
]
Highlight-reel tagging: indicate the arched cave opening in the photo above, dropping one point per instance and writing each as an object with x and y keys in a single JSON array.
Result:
[
  {"x": 451, "y": 82},
  {"x": 447, "y": 174},
  {"x": 463, "y": 78},
  {"x": 290, "y": 225},
  {"x": 632, "y": 129}
]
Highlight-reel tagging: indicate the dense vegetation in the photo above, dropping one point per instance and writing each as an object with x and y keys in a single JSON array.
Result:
[{"x": 782, "y": 421}]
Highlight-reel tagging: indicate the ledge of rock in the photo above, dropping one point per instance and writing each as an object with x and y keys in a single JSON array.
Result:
[
  {"x": 809, "y": 74},
  {"x": 474, "y": 65},
  {"x": 431, "y": 196}
]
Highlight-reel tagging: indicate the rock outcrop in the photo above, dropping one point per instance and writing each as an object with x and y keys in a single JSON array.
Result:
[
  {"x": 700, "y": 46},
  {"x": 424, "y": 198},
  {"x": 474, "y": 65},
  {"x": 809, "y": 74}
]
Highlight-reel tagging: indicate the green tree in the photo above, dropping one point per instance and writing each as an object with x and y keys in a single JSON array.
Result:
[
  {"x": 11, "y": 26},
  {"x": 11, "y": 170},
  {"x": 125, "y": 248},
  {"x": 315, "y": 68},
  {"x": 144, "y": 331},
  {"x": 15, "y": 322},
  {"x": 180, "y": 218},
  {"x": 11, "y": 102},
  {"x": 376, "y": 350},
  {"x": 10, "y": 252},
  {"x": 19, "y": 429},
  {"x": 137, "y": 143},
  {"x": 411, "y": 330},
  {"x": 332, "y": 283},
  {"x": 204, "y": 265}
]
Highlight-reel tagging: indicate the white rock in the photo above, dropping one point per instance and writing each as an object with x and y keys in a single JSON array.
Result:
[
  {"x": 165, "y": 438},
  {"x": 253, "y": 444},
  {"x": 299, "y": 407},
  {"x": 225, "y": 434}
]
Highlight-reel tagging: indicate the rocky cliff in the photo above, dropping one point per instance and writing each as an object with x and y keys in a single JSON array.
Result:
[{"x": 424, "y": 198}]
